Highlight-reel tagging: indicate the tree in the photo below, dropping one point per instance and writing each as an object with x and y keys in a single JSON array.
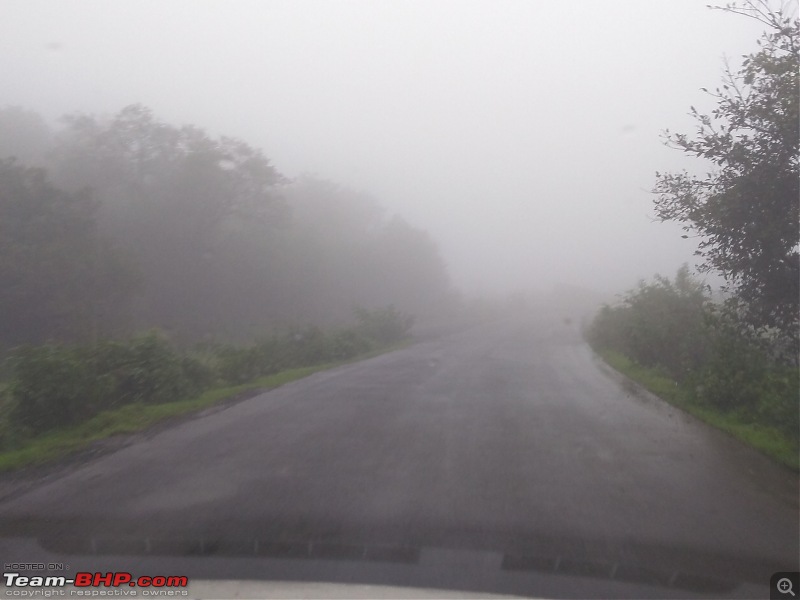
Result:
[
  {"x": 180, "y": 173},
  {"x": 408, "y": 270},
  {"x": 226, "y": 245},
  {"x": 177, "y": 201},
  {"x": 746, "y": 210},
  {"x": 60, "y": 279},
  {"x": 341, "y": 250}
]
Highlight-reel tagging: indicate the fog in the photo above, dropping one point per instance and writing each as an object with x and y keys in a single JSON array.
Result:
[{"x": 523, "y": 136}]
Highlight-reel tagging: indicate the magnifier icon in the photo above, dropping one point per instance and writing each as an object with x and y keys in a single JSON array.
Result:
[{"x": 784, "y": 586}]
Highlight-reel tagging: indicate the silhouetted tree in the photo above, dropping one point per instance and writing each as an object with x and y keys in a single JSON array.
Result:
[
  {"x": 747, "y": 210},
  {"x": 226, "y": 245},
  {"x": 173, "y": 197},
  {"x": 60, "y": 279}
]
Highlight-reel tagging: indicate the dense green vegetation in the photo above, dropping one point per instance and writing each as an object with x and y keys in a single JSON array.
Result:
[
  {"x": 58, "y": 443},
  {"x": 770, "y": 440},
  {"x": 701, "y": 356},
  {"x": 61, "y": 397},
  {"x": 734, "y": 363}
]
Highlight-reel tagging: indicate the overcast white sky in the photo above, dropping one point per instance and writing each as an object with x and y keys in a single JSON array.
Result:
[{"x": 522, "y": 135}]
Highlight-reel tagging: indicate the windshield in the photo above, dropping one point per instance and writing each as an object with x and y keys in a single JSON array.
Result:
[{"x": 452, "y": 297}]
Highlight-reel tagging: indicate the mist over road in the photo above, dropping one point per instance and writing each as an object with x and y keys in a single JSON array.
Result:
[{"x": 510, "y": 437}]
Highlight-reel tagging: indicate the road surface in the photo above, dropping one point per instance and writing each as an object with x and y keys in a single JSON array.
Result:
[{"x": 507, "y": 447}]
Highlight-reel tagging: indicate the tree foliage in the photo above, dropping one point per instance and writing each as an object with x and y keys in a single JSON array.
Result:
[
  {"x": 177, "y": 201},
  {"x": 340, "y": 250},
  {"x": 747, "y": 209},
  {"x": 659, "y": 324},
  {"x": 60, "y": 278},
  {"x": 226, "y": 247}
]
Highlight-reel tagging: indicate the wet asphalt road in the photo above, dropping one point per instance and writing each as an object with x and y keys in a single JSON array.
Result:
[{"x": 510, "y": 438}]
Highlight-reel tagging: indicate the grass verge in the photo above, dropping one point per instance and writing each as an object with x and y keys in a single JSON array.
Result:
[
  {"x": 137, "y": 417},
  {"x": 768, "y": 440}
]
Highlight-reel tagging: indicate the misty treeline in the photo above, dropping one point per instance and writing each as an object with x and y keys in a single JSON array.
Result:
[
  {"x": 111, "y": 225},
  {"x": 114, "y": 226},
  {"x": 739, "y": 353}
]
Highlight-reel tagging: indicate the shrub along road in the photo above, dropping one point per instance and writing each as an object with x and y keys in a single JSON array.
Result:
[{"x": 510, "y": 438}]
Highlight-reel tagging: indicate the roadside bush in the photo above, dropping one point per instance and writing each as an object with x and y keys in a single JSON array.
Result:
[
  {"x": 238, "y": 365},
  {"x": 740, "y": 374},
  {"x": 384, "y": 325},
  {"x": 297, "y": 348},
  {"x": 347, "y": 343},
  {"x": 143, "y": 369},
  {"x": 721, "y": 362},
  {"x": 778, "y": 404},
  {"x": 732, "y": 374},
  {"x": 200, "y": 371},
  {"x": 52, "y": 386},
  {"x": 660, "y": 324},
  {"x": 273, "y": 355},
  {"x": 610, "y": 329},
  {"x": 306, "y": 346}
]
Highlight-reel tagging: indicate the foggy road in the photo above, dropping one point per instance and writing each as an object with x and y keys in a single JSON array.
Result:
[{"x": 508, "y": 438}]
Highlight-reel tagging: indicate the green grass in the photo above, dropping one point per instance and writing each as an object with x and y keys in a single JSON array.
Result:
[
  {"x": 137, "y": 417},
  {"x": 767, "y": 440}
]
